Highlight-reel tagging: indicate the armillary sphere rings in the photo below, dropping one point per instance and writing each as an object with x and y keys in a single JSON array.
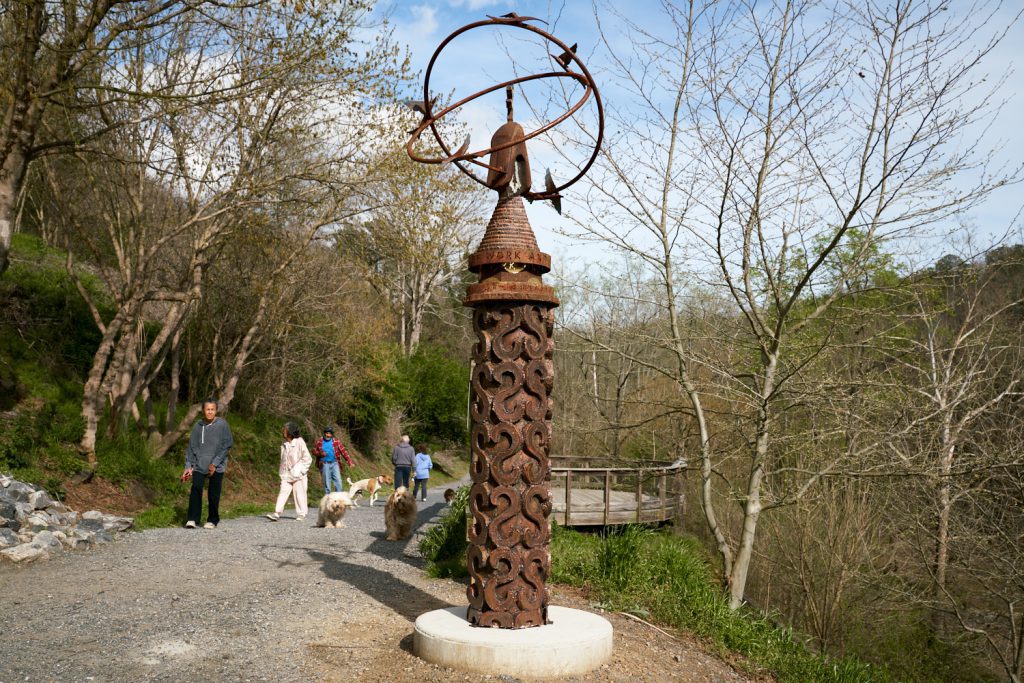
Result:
[{"x": 567, "y": 59}]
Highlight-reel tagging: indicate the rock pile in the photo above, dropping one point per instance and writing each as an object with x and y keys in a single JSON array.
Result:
[{"x": 33, "y": 525}]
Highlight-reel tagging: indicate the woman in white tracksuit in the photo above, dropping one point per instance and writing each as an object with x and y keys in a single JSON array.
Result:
[{"x": 295, "y": 463}]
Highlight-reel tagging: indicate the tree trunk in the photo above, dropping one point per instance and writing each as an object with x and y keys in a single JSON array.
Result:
[
  {"x": 945, "y": 504},
  {"x": 752, "y": 506},
  {"x": 92, "y": 392},
  {"x": 9, "y": 190},
  {"x": 745, "y": 552},
  {"x": 172, "y": 434},
  {"x": 172, "y": 395},
  {"x": 147, "y": 404}
]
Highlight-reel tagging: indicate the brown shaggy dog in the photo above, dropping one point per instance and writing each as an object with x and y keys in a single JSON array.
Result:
[
  {"x": 333, "y": 507},
  {"x": 399, "y": 514}
]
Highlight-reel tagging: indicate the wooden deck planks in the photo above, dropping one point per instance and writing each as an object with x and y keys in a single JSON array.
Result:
[{"x": 588, "y": 507}]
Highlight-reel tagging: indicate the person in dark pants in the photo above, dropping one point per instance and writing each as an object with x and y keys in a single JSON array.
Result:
[
  {"x": 402, "y": 458},
  {"x": 205, "y": 459},
  {"x": 422, "y": 472}
]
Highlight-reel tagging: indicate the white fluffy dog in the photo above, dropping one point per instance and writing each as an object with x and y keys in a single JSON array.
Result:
[
  {"x": 399, "y": 514},
  {"x": 333, "y": 507}
]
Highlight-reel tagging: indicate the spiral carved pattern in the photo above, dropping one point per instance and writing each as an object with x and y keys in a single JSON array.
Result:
[{"x": 509, "y": 502}]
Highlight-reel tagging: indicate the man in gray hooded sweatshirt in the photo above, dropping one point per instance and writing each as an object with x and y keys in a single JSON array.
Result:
[
  {"x": 402, "y": 458},
  {"x": 206, "y": 458}
]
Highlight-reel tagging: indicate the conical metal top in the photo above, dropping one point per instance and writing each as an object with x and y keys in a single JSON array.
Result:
[{"x": 508, "y": 260}]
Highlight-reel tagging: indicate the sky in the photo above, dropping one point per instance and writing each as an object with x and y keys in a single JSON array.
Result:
[{"x": 474, "y": 62}]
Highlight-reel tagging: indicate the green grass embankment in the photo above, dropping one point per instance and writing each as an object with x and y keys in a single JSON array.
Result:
[
  {"x": 665, "y": 578},
  {"x": 47, "y": 340}
]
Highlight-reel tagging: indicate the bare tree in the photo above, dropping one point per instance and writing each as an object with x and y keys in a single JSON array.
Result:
[
  {"x": 414, "y": 237},
  {"x": 263, "y": 143},
  {"x": 775, "y": 147},
  {"x": 48, "y": 50},
  {"x": 956, "y": 367}
]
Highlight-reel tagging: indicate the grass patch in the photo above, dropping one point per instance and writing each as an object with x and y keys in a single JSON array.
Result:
[
  {"x": 160, "y": 516},
  {"x": 173, "y": 514},
  {"x": 667, "y": 578}
]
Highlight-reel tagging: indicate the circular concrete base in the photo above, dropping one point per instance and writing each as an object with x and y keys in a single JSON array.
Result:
[{"x": 575, "y": 642}]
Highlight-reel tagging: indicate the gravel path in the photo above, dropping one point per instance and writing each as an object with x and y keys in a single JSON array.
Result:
[
  {"x": 255, "y": 600},
  {"x": 181, "y": 604}
]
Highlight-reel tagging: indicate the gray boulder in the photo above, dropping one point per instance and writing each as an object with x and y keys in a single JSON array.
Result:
[
  {"x": 93, "y": 525},
  {"x": 75, "y": 543},
  {"x": 8, "y": 538},
  {"x": 19, "y": 491},
  {"x": 63, "y": 519},
  {"x": 22, "y": 511},
  {"x": 33, "y": 525},
  {"x": 48, "y": 541},
  {"x": 109, "y": 522},
  {"x": 38, "y": 521},
  {"x": 26, "y": 552},
  {"x": 40, "y": 500},
  {"x": 115, "y": 523},
  {"x": 8, "y": 512}
]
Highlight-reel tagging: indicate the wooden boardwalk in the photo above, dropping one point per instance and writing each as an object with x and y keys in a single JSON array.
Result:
[{"x": 597, "y": 492}]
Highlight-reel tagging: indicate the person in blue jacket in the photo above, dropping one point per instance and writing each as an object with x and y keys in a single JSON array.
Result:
[{"x": 422, "y": 467}]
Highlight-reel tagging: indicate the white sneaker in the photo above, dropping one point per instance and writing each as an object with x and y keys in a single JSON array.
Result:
[
  {"x": 300, "y": 518},
  {"x": 209, "y": 525},
  {"x": 190, "y": 524},
  {"x": 273, "y": 516}
]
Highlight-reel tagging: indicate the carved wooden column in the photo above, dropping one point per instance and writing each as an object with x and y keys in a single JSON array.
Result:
[{"x": 508, "y": 556}]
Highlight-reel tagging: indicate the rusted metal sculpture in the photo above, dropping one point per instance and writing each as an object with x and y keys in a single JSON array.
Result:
[{"x": 508, "y": 557}]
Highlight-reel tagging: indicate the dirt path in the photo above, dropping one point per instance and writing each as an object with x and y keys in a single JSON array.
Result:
[{"x": 255, "y": 600}]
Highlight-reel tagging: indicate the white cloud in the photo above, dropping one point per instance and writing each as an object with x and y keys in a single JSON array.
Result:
[
  {"x": 416, "y": 28},
  {"x": 424, "y": 19},
  {"x": 474, "y": 5}
]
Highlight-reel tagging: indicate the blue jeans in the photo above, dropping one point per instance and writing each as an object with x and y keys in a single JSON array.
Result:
[
  {"x": 331, "y": 472},
  {"x": 402, "y": 475}
]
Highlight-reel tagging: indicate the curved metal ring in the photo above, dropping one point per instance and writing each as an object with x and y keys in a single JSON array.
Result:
[
  {"x": 473, "y": 156},
  {"x": 430, "y": 119}
]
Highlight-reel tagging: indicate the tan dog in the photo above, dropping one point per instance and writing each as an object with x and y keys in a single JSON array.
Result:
[
  {"x": 371, "y": 486},
  {"x": 333, "y": 507},
  {"x": 399, "y": 514}
]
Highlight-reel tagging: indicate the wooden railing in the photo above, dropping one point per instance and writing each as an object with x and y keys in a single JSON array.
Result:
[{"x": 600, "y": 491}]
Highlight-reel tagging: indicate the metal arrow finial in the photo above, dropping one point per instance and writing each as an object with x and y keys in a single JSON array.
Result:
[
  {"x": 420, "y": 106},
  {"x": 513, "y": 18},
  {"x": 566, "y": 57},
  {"x": 549, "y": 186}
]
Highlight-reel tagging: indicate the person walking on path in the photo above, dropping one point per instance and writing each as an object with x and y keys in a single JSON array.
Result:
[
  {"x": 295, "y": 463},
  {"x": 206, "y": 458},
  {"x": 402, "y": 458},
  {"x": 422, "y": 467},
  {"x": 326, "y": 450}
]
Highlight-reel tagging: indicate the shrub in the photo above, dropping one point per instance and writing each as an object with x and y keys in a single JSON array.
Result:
[
  {"x": 668, "y": 578},
  {"x": 444, "y": 545},
  {"x": 432, "y": 390}
]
